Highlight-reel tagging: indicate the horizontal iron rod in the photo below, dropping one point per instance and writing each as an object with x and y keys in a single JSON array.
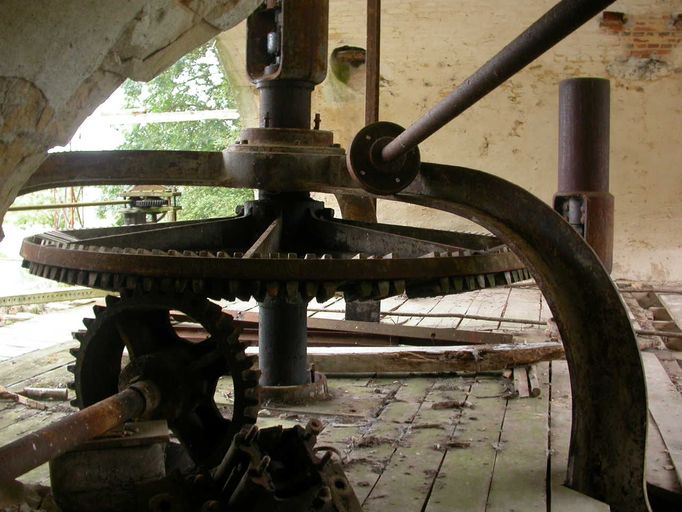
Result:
[
  {"x": 53, "y": 206},
  {"x": 442, "y": 315},
  {"x": 560, "y": 21},
  {"x": 641, "y": 332},
  {"x": 622, "y": 288},
  {"x": 32, "y": 450}
]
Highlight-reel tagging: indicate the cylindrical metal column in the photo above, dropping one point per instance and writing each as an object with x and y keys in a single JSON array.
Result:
[
  {"x": 584, "y": 135},
  {"x": 282, "y": 343},
  {"x": 583, "y": 196},
  {"x": 285, "y": 103}
]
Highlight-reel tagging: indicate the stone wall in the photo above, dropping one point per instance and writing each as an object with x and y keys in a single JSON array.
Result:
[
  {"x": 60, "y": 60},
  {"x": 428, "y": 47}
]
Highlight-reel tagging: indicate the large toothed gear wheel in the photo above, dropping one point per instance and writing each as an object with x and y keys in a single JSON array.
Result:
[
  {"x": 187, "y": 371},
  {"x": 287, "y": 246}
]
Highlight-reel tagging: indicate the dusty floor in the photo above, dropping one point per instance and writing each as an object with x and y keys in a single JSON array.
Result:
[{"x": 412, "y": 444}]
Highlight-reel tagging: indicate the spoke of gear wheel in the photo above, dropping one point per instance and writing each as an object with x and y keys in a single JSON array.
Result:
[{"x": 140, "y": 323}]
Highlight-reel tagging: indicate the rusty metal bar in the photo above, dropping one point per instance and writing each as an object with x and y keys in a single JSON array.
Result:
[
  {"x": 583, "y": 196},
  {"x": 372, "y": 62},
  {"x": 560, "y": 21},
  {"x": 37, "y": 448},
  {"x": 28, "y": 207},
  {"x": 584, "y": 135}
]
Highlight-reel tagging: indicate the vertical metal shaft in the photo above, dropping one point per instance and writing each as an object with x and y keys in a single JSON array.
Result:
[
  {"x": 584, "y": 135},
  {"x": 368, "y": 311},
  {"x": 372, "y": 61},
  {"x": 561, "y": 20},
  {"x": 583, "y": 196},
  {"x": 282, "y": 343}
]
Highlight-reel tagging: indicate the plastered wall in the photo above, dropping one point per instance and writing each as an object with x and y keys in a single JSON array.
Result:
[
  {"x": 60, "y": 60},
  {"x": 428, "y": 47}
]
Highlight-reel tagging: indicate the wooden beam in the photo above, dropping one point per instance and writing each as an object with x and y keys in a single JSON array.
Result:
[{"x": 474, "y": 358}]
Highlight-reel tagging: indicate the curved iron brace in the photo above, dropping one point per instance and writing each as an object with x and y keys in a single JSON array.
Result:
[
  {"x": 608, "y": 436},
  {"x": 607, "y": 453}
]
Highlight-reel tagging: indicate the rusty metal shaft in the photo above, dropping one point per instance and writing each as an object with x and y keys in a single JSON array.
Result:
[
  {"x": 557, "y": 23},
  {"x": 39, "y": 447}
]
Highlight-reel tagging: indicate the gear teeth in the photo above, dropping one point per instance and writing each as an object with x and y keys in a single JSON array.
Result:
[
  {"x": 399, "y": 286},
  {"x": 480, "y": 280},
  {"x": 310, "y": 290},
  {"x": 508, "y": 278},
  {"x": 75, "y": 403},
  {"x": 71, "y": 368},
  {"x": 98, "y": 310},
  {"x": 111, "y": 300},
  {"x": 87, "y": 322},
  {"x": 93, "y": 278},
  {"x": 71, "y": 385},
  {"x": 326, "y": 290},
  {"x": 198, "y": 286},
  {"x": 74, "y": 351},
  {"x": 80, "y": 335},
  {"x": 491, "y": 280},
  {"x": 292, "y": 290}
]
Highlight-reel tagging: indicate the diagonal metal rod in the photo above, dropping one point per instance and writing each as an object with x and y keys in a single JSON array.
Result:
[
  {"x": 560, "y": 21},
  {"x": 34, "y": 449}
]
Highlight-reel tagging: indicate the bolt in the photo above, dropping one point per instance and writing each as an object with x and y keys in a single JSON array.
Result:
[
  {"x": 266, "y": 120},
  {"x": 318, "y": 120}
]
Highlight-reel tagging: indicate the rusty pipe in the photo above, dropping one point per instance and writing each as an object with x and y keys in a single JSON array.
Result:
[
  {"x": 584, "y": 120},
  {"x": 557, "y": 23},
  {"x": 372, "y": 73},
  {"x": 32, "y": 450}
]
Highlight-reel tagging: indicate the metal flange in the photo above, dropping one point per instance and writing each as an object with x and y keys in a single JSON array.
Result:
[{"x": 366, "y": 164}]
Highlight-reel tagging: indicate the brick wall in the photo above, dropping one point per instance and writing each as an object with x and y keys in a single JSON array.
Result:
[{"x": 645, "y": 36}]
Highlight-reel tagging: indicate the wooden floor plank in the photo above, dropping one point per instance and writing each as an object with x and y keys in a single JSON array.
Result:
[
  {"x": 417, "y": 307},
  {"x": 334, "y": 304},
  {"x": 659, "y": 467},
  {"x": 406, "y": 481},
  {"x": 371, "y": 452},
  {"x": 489, "y": 302},
  {"x": 521, "y": 464},
  {"x": 35, "y": 363},
  {"x": 56, "y": 378},
  {"x": 464, "y": 478},
  {"x": 545, "y": 312},
  {"x": 522, "y": 303},
  {"x": 44, "y": 330},
  {"x": 665, "y": 405},
  {"x": 564, "y": 499},
  {"x": 457, "y": 304}
]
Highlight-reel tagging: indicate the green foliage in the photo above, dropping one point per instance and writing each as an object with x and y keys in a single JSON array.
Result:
[
  {"x": 49, "y": 219},
  {"x": 195, "y": 82}
]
